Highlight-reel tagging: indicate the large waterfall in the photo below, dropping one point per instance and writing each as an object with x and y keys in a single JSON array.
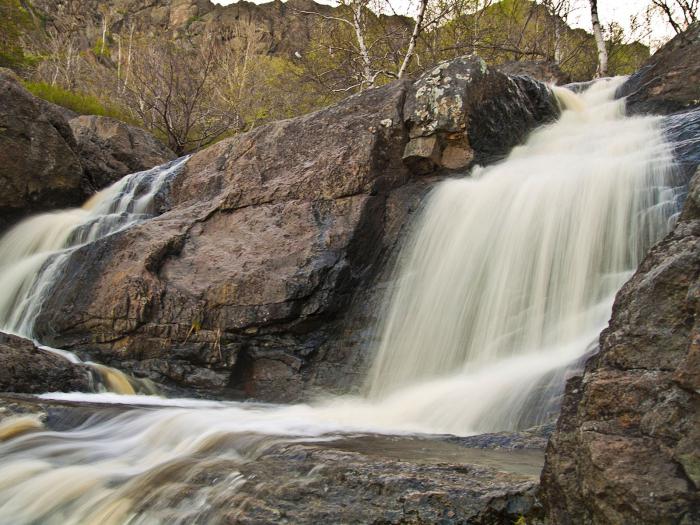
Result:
[
  {"x": 511, "y": 273},
  {"x": 506, "y": 280}
]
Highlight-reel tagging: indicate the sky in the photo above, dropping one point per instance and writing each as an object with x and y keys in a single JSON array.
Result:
[{"x": 619, "y": 11}]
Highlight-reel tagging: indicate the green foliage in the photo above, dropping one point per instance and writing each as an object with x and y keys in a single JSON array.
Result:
[
  {"x": 81, "y": 103},
  {"x": 14, "y": 19},
  {"x": 101, "y": 48}
]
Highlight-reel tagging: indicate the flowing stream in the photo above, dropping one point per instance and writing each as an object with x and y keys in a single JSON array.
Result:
[{"x": 502, "y": 287}]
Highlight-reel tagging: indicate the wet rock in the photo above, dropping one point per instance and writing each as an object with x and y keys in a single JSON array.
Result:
[
  {"x": 109, "y": 149},
  {"x": 312, "y": 483},
  {"x": 28, "y": 369},
  {"x": 669, "y": 81},
  {"x": 257, "y": 279},
  {"x": 548, "y": 72},
  {"x": 39, "y": 169},
  {"x": 627, "y": 444}
]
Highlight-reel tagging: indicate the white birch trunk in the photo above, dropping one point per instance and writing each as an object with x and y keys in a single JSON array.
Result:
[
  {"x": 414, "y": 37},
  {"x": 600, "y": 42}
]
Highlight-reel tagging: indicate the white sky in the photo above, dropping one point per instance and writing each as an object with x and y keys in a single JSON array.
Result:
[{"x": 619, "y": 11}]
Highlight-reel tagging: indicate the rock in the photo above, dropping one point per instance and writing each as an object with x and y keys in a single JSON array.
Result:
[
  {"x": 110, "y": 149},
  {"x": 473, "y": 112},
  {"x": 669, "y": 81},
  {"x": 313, "y": 483},
  {"x": 39, "y": 168},
  {"x": 627, "y": 444},
  {"x": 27, "y": 369},
  {"x": 256, "y": 280},
  {"x": 548, "y": 72}
]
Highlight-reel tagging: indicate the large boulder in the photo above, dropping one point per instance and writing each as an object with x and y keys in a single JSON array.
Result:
[
  {"x": 109, "y": 149},
  {"x": 39, "y": 167},
  {"x": 257, "y": 279},
  {"x": 627, "y": 444},
  {"x": 669, "y": 81},
  {"x": 24, "y": 368}
]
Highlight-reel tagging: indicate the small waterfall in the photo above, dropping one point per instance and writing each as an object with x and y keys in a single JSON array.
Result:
[
  {"x": 510, "y": 274},
  {"x": 32, "y": 253}
]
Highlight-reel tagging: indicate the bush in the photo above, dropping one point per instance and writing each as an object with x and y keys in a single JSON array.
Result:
[{"x": 81, "y": 103}]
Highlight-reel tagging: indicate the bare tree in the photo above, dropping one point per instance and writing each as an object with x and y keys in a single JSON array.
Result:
[
  {"x": 599, "y": 41},
  {"x": 679, "y": 13},
  {"x": 170, "y": 91}
]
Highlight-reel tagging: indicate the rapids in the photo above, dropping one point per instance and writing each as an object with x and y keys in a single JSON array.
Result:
[{"x": 501, "y": 289}]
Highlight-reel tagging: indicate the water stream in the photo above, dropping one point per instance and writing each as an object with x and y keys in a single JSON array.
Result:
[{"x": 506, "y": 281}]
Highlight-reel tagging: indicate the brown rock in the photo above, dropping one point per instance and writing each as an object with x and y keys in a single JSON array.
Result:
[
  {"x": 627, "y": 444},
  {"x": 109, "y": 149},
  {"x": 670, "y": 80},
  {"x": 24, "y": 368},
  {"x": 39, "y": 169}
]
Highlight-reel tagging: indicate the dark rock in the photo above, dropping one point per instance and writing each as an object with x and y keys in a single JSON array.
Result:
[
  {"x": 670, "y": 80},
  {"x": 27, "y": 369},
  {"x": 464, "y": 112},
  {"x": 39, "y": 169},
  {"x": 257, "y": 280},
  {"x": 313, "y": 483},
  {"x": 109, "y": 149},
  {"x": 627, "y": 444},
  {"x": 548, "y": 72}
]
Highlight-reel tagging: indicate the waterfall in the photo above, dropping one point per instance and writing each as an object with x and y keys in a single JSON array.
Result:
[
  {"x": 33, "y": 253},
  {"x": 510, "y": 274},
  {"x": 503, "y": 285}
]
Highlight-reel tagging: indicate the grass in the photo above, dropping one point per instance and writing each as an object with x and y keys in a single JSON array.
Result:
[{"x": 81, "y": 103}]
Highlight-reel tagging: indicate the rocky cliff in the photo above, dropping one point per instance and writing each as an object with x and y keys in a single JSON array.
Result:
[{"x": 257, "y": 277}]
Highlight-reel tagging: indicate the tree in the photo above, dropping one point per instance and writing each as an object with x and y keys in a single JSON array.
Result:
[
  {"x": 170, "y": 90},
  {"x": 599, "y": 40},
  {"x": 679, "y": 13},
  {"x": 357, "y": 48}
]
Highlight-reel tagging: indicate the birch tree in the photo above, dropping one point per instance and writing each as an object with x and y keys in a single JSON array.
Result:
[{"x": 599, "y": 41}]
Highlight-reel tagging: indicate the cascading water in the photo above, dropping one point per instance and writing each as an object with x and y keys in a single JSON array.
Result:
[
  {"x": 515, "y": 269},
  {"x": 34, "y": 252},
  {"x": 506, "y": 281}
]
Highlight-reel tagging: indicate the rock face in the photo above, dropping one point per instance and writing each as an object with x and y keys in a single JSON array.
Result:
[
  {"x": 109, "y": 149},
  {"x": 669, "y": 81},
  {"x": 39, "y": 168},
  {"x": 257, "y": 279},
  {"x": 26, "y": 369},
  {"x": 52, "y": 158},
  {"x": 627, "y": 445}
]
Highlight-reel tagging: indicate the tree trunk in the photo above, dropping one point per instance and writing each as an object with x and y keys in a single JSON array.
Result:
[
  {"x": 414, "y": 37},
  {"x": 600, "y": 42}
]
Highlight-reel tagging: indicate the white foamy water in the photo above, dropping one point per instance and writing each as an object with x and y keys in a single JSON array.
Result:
[
  {"x": 506, "y": 281},
  {"x": 34, "y": 252}
]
